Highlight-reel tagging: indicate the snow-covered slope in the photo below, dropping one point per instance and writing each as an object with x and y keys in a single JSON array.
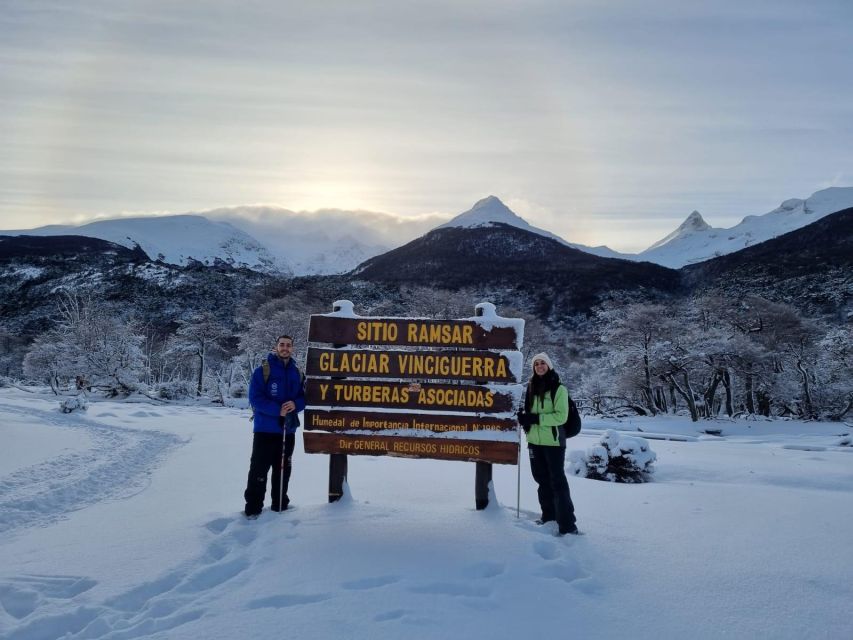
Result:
[
  {"x": 696, "y": 241},
  {"x": 491, "y": 211},
  {"x": 124, "y": 522},
  {"x": 177, "y": 240},
  {"x": 325, "y": 241}
]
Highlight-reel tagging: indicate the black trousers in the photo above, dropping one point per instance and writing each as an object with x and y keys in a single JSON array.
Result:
[
  {"x": 266, "y": 454},
  {"x": 555, "y": 500}
]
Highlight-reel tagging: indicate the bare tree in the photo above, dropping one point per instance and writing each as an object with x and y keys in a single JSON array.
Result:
[{"x": 200, "y": 336}]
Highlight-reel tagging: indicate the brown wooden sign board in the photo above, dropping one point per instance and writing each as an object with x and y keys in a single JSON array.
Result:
[
  {"x": 404, "y": 395},
  {"x": 484, "y": 366},
  {"x": 410, "y": 332},
  {"x": 381, "y": 421},
  {"x": 407, "y": 447}
]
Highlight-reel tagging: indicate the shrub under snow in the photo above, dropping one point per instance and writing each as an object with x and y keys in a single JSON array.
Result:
[
  {"x": 75, "y": 403},
  {"x": 617, "y": 458},
  {"x": 176, "y": 390}
]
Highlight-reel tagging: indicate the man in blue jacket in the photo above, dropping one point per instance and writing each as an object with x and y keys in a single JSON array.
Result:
[{"x": 277, "y": 395}]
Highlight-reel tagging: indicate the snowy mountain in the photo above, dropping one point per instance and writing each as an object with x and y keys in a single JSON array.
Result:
[
  {"x": 178, "y": 240},
  {"x": 696, "y": 241},
  {"x": 326, "y": 241},
  {"x": 694, "y": 224},
  {"x": 809, "y": 267},
  {"x": 490, "y": 212},
  {"x": 524, "y": 264}
]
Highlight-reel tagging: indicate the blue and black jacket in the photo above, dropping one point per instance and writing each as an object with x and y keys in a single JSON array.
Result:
[{"x": 285, "y": 383}]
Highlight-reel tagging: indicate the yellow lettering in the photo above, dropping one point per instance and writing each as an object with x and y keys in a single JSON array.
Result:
[{"x": 325, "y": 361}]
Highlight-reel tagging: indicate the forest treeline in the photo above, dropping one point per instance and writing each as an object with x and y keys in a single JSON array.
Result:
[{"x": 707, "y": 356}]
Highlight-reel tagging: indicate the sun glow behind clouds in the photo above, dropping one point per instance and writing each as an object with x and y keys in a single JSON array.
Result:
[{"x": 330, "y": 194}]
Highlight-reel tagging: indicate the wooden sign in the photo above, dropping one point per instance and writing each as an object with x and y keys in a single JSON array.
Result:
[
  {"x": 496, "y": 452},
  {"x": 411, "y": 332},
  {"x": 403, "y": 395},
  {"x": 431, "y": 381},
  {"x": 424, "y": 365},
  {"x": 387, "y": 421}
]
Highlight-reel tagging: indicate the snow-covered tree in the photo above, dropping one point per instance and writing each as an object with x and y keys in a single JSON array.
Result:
[
  {"x": 835, "y": 371},
  {"x": 47, "y": 361},
  {"x": 635, "y": 333},
  {"x": 91, "y": 344},
  {"x": 199, "y": 336}
]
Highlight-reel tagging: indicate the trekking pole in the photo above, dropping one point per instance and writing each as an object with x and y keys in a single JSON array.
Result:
[
  {"x": 281, "y": 466},
  {"x": 281, "y": 470},
  {"x": 518, "y": 485}
]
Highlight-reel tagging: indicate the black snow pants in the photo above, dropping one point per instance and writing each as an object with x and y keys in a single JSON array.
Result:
[
  {"x": 266, "y": 453},
  {"x": 555, "y": 500}
]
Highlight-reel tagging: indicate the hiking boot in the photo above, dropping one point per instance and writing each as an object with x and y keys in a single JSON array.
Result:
[
  {"x": 251, "y": 516},
  {"x": 541, "y": 521},
  {"x": 572, "y": 532}
]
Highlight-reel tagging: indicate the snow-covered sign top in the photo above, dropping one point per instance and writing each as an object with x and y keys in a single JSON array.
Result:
[{"x": 485, "y": 331}]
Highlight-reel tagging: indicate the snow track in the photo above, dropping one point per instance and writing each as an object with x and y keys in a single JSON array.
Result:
[{"x": 117, "y": 466}]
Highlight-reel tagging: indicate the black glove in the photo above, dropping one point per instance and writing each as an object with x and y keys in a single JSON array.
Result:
[{"x": 527, "y": 420}]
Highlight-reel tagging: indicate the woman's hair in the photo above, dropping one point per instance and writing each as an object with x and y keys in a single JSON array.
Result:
[{"x": 539, "y": 386}]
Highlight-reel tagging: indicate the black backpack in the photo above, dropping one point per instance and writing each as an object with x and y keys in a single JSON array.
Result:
[{"x": 572, "y": 426}]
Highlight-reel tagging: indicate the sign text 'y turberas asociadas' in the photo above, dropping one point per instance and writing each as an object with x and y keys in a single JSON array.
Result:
[{"x": 445, "y": 385}]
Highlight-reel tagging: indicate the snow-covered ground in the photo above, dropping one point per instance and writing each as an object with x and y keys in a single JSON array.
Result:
[{"x": 123, "y": 522}]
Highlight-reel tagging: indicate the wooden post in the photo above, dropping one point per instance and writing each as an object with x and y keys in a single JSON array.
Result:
[
  {"x": 483, "y": 473},
  {"x": 337, "y": 461},
  {"x": 337, "y": 475},
  {"x": 482, "y": 478}
]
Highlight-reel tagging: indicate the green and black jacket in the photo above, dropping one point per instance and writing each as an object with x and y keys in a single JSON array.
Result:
[{"x": 551, "y": 416}]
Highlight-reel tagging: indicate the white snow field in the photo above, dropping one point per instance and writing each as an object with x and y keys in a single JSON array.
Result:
[{"x": 124, "y": 522}]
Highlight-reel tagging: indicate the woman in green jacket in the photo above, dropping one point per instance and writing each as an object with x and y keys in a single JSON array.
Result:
[{"x": 546, "y": 409}]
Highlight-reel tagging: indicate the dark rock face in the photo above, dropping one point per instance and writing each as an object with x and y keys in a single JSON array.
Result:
[
  {"x": 50, "y": 249},
  {"x": 504, "y": 256},
  {"x": 33, "y": 269}
]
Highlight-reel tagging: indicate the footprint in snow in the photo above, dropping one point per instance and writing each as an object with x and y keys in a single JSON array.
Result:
[
  {"x": 218, "y": 525},
  {"x": 285, "y": 600},
  {"x": 567, "y": 570},
  {"x": 370, "y": 583},
  {"x": 453, "y": 589},
  {"x": 485, "y": 570},
  {"x": 546, "y": 550},
  {"x": 394, "y": 614},
  {"x": 22, "y": 595}
]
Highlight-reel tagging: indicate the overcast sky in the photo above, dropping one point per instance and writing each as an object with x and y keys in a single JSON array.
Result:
[{"x": 604, "y": 121}]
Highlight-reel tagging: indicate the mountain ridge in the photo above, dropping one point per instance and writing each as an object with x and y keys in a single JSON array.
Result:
[
  {"x": 337, "y": 241},
  {"x": 679, "y": 249}
]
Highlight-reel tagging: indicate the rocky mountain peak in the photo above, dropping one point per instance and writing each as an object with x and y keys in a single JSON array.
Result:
[
  {"x": 486, "y": 213},
  {"x": 694, "y": 222}
]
